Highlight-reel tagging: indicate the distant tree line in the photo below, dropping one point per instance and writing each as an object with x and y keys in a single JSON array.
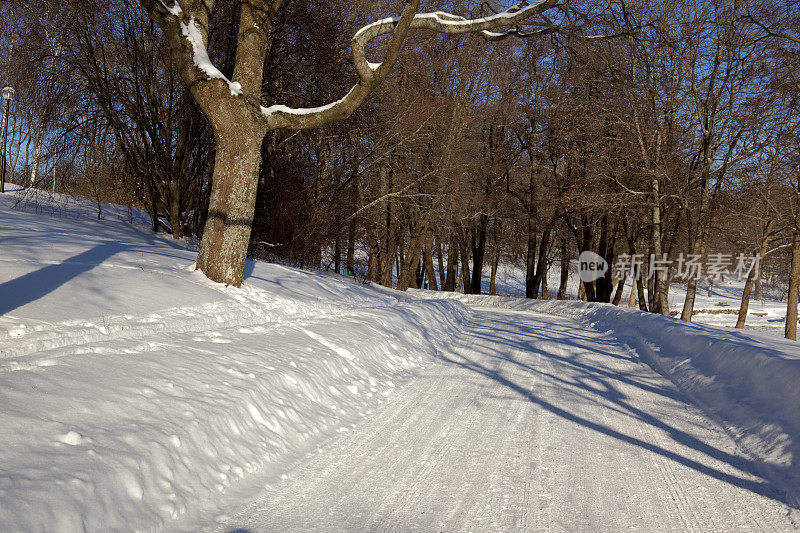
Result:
[{"x": 633, "y": 127}]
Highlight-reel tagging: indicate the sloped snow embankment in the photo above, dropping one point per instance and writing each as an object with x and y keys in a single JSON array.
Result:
[
  {"x": 133, "y": 390},
  {"x": 750, "y": 383},
  {"x": 130, "y": 431}
]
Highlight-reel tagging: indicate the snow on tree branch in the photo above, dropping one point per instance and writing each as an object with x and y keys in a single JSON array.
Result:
[
  {"x": 201, "y": 59},
  {"x": 185, "y": 25},
  {"x": 370, "y": 74},
  {"x": 175, "y": 10}
]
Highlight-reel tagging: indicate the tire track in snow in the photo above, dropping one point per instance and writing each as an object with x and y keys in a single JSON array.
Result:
[
  {"x": 608, "y": 446},
  {"x": 40, "y": 347}
]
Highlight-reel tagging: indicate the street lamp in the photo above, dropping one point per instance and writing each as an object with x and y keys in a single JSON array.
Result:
[{"x": 7, "y": 94}]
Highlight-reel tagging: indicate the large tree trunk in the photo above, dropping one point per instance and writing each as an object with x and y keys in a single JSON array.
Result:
[
  {"x": 350, "y": 262},
  {"x": 37, "y": 156},
  {"x": 373, "y": 256},
  {"x": 620, "y": 287},
  {"x": 452, "y": 264},
  {"x": 541, "y": 263},
  {"x": 389, "y": 248},
  {"x": 638, "y": 275},
  {"x": 495, "y": 264},
  {"x": 428, "y": 255},
  {"x": 478, "y": 253},
  {"x": 465, "y": 278},
  {"x": 531, "y": 288},
  {"x": 759, "y": 289},
  {"x": 410, "y": 265},
  {"x": 175, "y": 208},
  {"x": 545, "y": 290},
  {"x": 640, "y": 293},
  {"x": 604, "y": 285},
  {"x": 698, "y": 244},
  {"x": 660, "y": 280},
  {"x": 590, "y": 241},
  {"x": 223, "y": 249},
  {"x": 530, "y": 261},
  {"x": 440, "y": 261},
  {"x": 748, "y": 288},
  {"x": 562, "y": 286},
  {"x": 794, "y": 276}
]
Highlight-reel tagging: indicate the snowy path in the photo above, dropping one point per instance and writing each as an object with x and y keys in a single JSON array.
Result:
[{"x": 534, "y": 424}]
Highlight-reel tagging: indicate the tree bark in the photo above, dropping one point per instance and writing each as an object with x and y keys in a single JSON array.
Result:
[
  {"x": 452, "y": 264},
  {"x": 620, "y": 288},
  {"x": 748, "y": 288},
  {"x": 37, "y": 155},
  {"x": 759, "y": 289},
  {"x": 545, "y": 291},
  {"x": 478, "y": 253},
  {"x": 388, "y": 250},
  {"x": 541, "y": 262},
  {"x": 660, "y": 281},
  {"x": 702, "y": 229},
  {"x": 410, "y": 265},
  {"x": 495, "y": 264},
  {"x": 531, "y": 288},
  {"x": 350, "y": 261},
  {"x": 794, "y": 276},
  {"x": 440, "y": 261},
  {"x": 223, "y": 249},
  {"x": 465, "y": 276},
  {"x": 638, "y": 276},
  {"x": 562, "y": 286},
  {"x": 428, "y": 255}
]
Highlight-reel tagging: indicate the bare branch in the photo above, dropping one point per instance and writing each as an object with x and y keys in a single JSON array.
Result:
[{"x": 371, "y": 74}]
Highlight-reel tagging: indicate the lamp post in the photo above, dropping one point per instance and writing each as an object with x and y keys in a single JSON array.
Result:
[{"x": 7, "y": 94}]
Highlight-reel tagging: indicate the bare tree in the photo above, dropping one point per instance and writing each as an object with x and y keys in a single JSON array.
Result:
[
  {"x": 724, "y": 72},
  {"x": 239, "y": 121}
]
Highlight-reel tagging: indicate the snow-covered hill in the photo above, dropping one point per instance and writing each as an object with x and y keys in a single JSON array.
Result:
[
  {"x": 132, "y": 388},
  {"x": 135, "y": 394}
]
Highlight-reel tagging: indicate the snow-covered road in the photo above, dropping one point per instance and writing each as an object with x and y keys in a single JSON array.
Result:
[{"x": 534, "y": 423}]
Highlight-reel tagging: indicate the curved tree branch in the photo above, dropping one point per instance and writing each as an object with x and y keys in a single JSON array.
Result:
[{"x": 370, "y": 74}]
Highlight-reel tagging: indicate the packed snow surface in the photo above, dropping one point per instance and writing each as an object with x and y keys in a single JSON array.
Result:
[
  {"x": 533, "y": 422},
  {"x": 137, "y": 395}
]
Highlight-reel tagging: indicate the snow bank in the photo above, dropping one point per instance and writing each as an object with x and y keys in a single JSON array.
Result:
[
  {"x": 128, "y": 433},
  {"x": 751, "y": 383},
  {"x": 133, "y": 390}
]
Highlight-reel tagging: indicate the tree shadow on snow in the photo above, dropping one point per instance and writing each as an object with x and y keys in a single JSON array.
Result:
[
  {"x": 592, "y": 383},
  {"x": 30, "y": 287}
]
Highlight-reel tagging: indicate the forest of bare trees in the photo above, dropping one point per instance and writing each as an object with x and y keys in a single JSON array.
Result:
[{"x": 622, "y": 127}]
